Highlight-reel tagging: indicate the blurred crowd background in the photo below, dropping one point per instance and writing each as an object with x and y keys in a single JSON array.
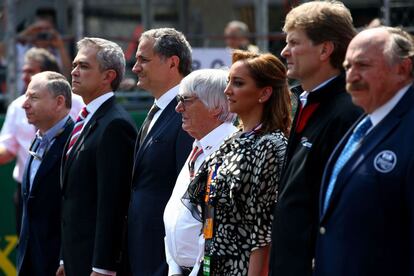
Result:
[
  {"x": 58, "y": 24},
  {"x": 122, "y": 21}
]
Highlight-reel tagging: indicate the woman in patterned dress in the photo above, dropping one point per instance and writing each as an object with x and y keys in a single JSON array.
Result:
[{"x": 234, "y": 191}]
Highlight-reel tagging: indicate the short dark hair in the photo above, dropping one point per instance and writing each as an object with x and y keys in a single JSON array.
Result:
[{"x": 169, "y": 42}]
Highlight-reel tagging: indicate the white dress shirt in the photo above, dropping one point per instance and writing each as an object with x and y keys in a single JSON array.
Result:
[
  {"x": 17, "y": 135},
  {"x": 377, "y": 115},
  {"x": 94, "y": 105},
  {"x": 162, "y": 103},
  {"x": 184, "y": 244},
  {"x": 304, "y": 96}
]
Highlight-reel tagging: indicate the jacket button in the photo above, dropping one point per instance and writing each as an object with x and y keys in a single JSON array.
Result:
[{"x": 322, "y": 230}]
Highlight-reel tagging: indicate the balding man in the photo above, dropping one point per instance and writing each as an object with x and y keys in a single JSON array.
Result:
[
  {"x": 367, "y": 193},
  {"x": 47, "y": 105}
]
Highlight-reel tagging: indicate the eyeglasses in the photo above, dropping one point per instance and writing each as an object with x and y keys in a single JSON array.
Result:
[{"x": 185, "y": 100}]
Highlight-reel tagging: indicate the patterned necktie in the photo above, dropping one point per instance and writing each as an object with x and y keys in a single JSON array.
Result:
[
  {"x": 77, "y": 129},
  {"x": 147, "y": 122},
  {"x": 349, "y": 149},
  {"x": 193, "y": 157}
]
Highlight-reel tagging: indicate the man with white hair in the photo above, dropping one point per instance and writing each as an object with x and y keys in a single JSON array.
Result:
[{"x": 206, "y": 118}]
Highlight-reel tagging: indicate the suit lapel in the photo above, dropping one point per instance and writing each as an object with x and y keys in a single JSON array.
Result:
[
  {"x": 53, "y": 155},
  {"x": 370, "y": 142},
  {"x": 88, "y": 129},
  {"x": 26, "y": 174},
  {"x": 161, "y": 123}
]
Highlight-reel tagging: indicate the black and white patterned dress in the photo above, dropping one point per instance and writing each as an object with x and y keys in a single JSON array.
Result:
[{"x": 243, "y": 193}]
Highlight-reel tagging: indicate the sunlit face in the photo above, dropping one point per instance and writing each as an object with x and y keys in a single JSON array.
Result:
[
  {"x": 40, "y": 105},
  {"x": 197, "y": 119},
  {"x": 87, "y": 77},
  {"x": 371, "y": 79},
  {"x": 242, "y": 93},
  {"x": 150, "y": 68},
  {"x": 302, "y": 56},
  {"x": 29, "y": 69}
]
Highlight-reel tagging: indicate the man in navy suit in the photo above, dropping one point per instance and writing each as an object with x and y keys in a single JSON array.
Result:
[
  {"x": 366, "y": 222},
  {"x": 163, "y": 60},
  {"x": 47, "y": 104},
  {"x": 96, "y": 174}
]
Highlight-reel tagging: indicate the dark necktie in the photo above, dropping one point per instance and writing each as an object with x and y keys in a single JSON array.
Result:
[
  {"x": 349, "y": 149},
  {"x": 193, "y": 157},
  {"x": 77, "y": 129},
  {"x": 147, "y": 122}
]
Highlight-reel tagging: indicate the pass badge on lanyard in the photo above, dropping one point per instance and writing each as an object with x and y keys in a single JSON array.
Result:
[{"x": 209, "y": 210}]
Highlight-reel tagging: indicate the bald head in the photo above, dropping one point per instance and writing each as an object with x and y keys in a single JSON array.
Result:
[{"x": 378, "y": 63}]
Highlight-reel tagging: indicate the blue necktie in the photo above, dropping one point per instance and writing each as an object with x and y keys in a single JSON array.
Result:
[
  {"x": 40, "y": 146},
  {"x": 349, "y": 149}
]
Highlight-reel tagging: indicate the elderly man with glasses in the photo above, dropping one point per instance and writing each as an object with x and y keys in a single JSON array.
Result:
[{"x": 206, "y": 118}]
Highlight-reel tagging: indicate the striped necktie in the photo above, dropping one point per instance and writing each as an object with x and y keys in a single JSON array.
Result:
[
  {"x": 349, "y": 149},
  {"x": 193, "y": 158},
  {"x": 77, "y": 129}
]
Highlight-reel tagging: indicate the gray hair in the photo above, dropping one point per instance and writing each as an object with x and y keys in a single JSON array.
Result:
[
  {"x": 209, "y": 85},
  {"x": 169, "y": 42},
  {"x": 240, "y": 26},
  {"x": 42, "y": 56},
  {"x": 400, "y": 46},
  {"x": 109, "y": 56},
  {"x": 57, "y": 85}
]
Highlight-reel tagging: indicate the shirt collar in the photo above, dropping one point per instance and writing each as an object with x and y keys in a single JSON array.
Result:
[
  {"x": 167, "y": 97},
  {"x": 386, "y": 108},
  {"x": 209, "y": 142},
  {"x": 304, "y": 96},
  {"x": 96, "y": 103},
  {"x": 53, "y": 131}
]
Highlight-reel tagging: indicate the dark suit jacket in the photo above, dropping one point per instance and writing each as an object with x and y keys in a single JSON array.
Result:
[
  {"x": 40, "y": 233},
  {"x": 368, "y": 228},
  {"x": 296, "y": 214},
  {"x": 157, "y": 164},
  {"x": 96, "y": 181}
]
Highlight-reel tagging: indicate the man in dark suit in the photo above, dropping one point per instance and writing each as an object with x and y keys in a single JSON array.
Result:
[
  {"x": 96, "y": 174},
  {"x": 47, "y": 104},
  {"x": 163, "y": 59},
  {"x": 367, "y": 194},
  {"x": 318, "y": 33}
]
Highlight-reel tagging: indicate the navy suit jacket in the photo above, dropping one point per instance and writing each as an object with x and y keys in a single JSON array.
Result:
[
  {"x": 158, "y": 162},
  {"x": 96, "y": 179},
  {"x": 368, "y": 227},
  {"x": 40, "y": 232}
]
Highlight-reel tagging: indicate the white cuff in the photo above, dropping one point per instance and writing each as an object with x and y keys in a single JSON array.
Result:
[{"x": 103, "y": 271}]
